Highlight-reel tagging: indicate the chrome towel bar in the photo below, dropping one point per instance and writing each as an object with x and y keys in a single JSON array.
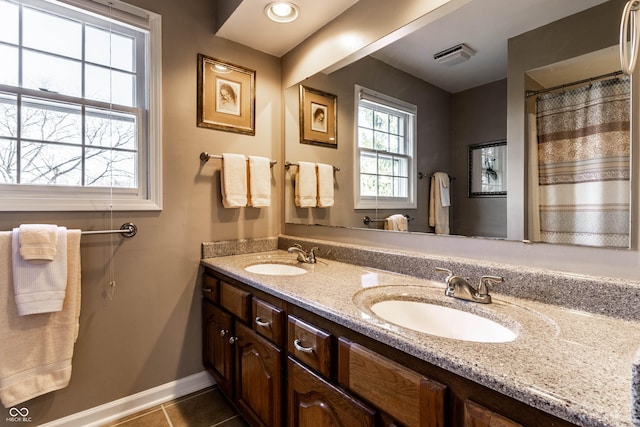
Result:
[{"x": 204, "y": 156}]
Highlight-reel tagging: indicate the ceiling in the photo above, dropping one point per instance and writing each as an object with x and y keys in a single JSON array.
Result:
[
  {"x": 483, "y": 25},
  {"x": 248, "y": 24}
]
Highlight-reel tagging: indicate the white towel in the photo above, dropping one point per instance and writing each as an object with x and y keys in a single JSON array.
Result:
[
  {"x": 306, "y": 185},
  {"x": 38, "y": 242},
  {"x": 259, "y": 182},
  {"x": 40, "y": 288},
  {"x": 325, "y": 185},
  {"x": 36, "y": 351},
  {"x": 233, "y": 180},
  {"x": 438, "y": 214},
  {"x": 396, "y": 222},
  {"x": 443, "y": 182}
]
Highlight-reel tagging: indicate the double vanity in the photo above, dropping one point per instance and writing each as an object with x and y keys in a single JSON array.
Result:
[{"x": 292, "y": 343}]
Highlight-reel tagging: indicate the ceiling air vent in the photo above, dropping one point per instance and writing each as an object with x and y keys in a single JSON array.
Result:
[{"x": 454, "y": 55}]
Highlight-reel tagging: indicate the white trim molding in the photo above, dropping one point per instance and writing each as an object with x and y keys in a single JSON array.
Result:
[{"x": 117, "y": 409}]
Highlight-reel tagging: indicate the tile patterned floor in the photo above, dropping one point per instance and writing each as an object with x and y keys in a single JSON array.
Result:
[{"x": 204, "y": 408}]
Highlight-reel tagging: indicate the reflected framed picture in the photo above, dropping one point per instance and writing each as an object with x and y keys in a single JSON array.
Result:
[
  {"x": 226, "y": 96},
  {"x": 318, "y": 117},
  {"x": 488, "y": 169}
]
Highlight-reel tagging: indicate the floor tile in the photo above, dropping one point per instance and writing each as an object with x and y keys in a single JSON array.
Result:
[
  {"x": 236, "y": 421},
  {"x": 153, "y": 418},
  {"x": 202, "y": 410}
]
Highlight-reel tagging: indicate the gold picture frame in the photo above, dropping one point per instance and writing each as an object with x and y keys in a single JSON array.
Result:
[
  {"x": 226, "y": 96},
  {"x": 318, "y": 117}
]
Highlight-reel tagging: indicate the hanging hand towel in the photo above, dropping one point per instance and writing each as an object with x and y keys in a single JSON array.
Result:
[
  {"x": 233, "y": 179},
  {"x": 325, "y": 185},
  {"x": 259, "y": 182},
  {"x": 443, "y": 182},
  {"x": 40, "y": 288},
  {"x": 306, "y": 185},
  {"x": 438, "y": 214},
  {"x": 36, "y": 350},
  {"x": 396, "y": 222},
  {"x": 38, "y": 242}
]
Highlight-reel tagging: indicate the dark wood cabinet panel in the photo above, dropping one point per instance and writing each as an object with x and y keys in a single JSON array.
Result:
[
  {"x": 268, "y": 321},
  {"x": 236, "y": 301},
  {"x": 314, "y": 402},
  {"x": 259, "y": 365},
  {"x": 311, "y": 345},
  {"x": 217, "y": 328},
  {"x": 478, "y": 416}
]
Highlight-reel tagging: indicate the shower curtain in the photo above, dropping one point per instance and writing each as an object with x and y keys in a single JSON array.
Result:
[{"x": 583, "y": 150}]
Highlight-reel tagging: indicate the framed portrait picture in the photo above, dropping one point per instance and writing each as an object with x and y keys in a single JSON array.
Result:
[
  {"x": 488, "y": 169},
  {"x": 226, "y": 96},
  {"x": 318, "y": 118}
]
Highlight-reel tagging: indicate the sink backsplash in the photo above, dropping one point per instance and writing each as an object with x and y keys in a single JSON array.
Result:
[{"x": 600, "y": 295}]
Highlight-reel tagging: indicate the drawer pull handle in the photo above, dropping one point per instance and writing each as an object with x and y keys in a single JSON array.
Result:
[
  {"x": 262, "y": 323},
  {"x": 232, "y": 340},
  {"x": 300, "y": 347},
  {"x": 204, "y": 289},
  {"x": 223, "y": 332}
]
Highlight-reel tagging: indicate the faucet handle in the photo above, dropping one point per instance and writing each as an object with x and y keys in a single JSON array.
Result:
[
  {"x": 485, "y": 281},
  {"x": 445, "y": 270},
  {"x": 312, "y": 254}
]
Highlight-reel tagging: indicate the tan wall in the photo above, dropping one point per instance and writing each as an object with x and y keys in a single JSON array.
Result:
[{"x": 149, "y": 332}]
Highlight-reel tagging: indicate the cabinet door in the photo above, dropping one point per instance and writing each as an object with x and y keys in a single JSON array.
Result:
[
  {"x": 314, "y": 402},
  {"x": 217, "y": 352},
  {"x": 259, "y": 366},
  {"x": 479, "y": 416}
]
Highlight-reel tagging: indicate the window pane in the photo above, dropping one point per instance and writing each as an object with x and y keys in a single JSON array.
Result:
[
  {"x": 400, "y": 167},
  {"x": 51, "y": 121},
  {"x": 97, "y": 49},
  {"x": 368, "y": 185},
  {"x": 8, "y": 115},
  {"x": 120, "y": 90},
  {"x": 8, "y": 161},
  {"x": 394, "y": 124},
  {"x": 394, "y": 144},
  {"x": 368, "y": 163},
  {"x": 385, "y": 186},
  {"x": 8, "y": 22},
  {"x": 401, "y": 187},
  {"x": 111, "y": 168},
  {"x": 381, "y": 141},
  {"x": 50, "y": 164},
  {"x": 365, "y": 139},
  {"x": 115, "y": 130},
  {"x": 50, "y": 33},
  {"x": 51, "y": 73},
  {"x": 385, "y": 166},
  {"x": 365, "y": 117},
  {"x": 381, "y": 121},
  {"x": 9, "y": 67}
]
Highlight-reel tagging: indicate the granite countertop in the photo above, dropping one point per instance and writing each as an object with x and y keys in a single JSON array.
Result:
[{"x": 564, "y": 362}]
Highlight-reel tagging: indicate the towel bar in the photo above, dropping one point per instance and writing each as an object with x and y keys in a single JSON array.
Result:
[
  {"x": 204, "y": 156},
  {"x": 367, "y": 219},
  {"x": 287, "y": 165}
]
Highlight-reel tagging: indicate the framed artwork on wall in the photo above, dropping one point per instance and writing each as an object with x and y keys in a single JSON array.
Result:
[
  {"x": 226, "y": 96},
  {"x": 318, "y": 117},
  {"x": 488, "y": 169}
]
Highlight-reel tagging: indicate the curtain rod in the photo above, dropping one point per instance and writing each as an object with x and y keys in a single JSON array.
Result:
[{"x": 589, "y": 80}]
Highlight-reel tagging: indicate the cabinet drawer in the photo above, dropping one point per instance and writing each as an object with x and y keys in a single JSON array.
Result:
[
  {"x": 479, "y": 416},
  {"x": 268, "y": 321},
  {"x": 315, "y": 402},
  {"x": 211, "y": 288},
  {"x": 310, "y": 345},
  {"x": 235, "y": 301},
  {"x": 409, "y": 397}
]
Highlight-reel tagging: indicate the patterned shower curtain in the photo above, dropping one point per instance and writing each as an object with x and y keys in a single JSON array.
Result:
[{"x": 584, "y": 164}]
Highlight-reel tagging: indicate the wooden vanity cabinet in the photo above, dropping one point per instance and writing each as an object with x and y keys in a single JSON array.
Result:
[{"x": 283, "y": 365}]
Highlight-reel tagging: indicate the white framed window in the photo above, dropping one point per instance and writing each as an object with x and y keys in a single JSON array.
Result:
[
  {"x": 80, "y": 106},
  {"x": 385, "y": 161}
]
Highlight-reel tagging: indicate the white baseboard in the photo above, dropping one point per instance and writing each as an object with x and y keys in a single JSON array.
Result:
[{"x": 111, "y": 411}]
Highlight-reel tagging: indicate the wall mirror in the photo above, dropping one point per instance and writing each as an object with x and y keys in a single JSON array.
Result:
[{"x": 479, "y": 96}]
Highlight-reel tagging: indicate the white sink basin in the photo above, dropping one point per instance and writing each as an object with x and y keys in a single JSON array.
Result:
[
  {"x": 274, "y": 269},
  {"x": 442, "y": 321}
]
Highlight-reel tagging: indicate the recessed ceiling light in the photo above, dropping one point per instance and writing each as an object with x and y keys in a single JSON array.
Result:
[{"x": 282, "y": 11}]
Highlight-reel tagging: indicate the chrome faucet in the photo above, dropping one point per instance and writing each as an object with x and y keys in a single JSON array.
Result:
[
  {"x": 307, "y": 257},
  {"x": 459, "y": 287}
]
